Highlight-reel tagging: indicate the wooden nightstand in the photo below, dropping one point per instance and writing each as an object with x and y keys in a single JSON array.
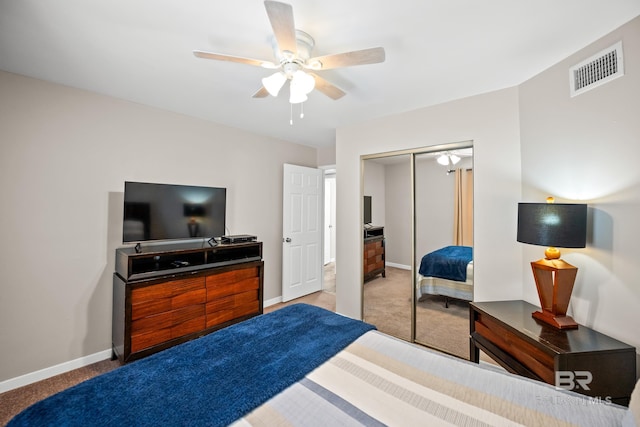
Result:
[{"x": 584, "y": 360}]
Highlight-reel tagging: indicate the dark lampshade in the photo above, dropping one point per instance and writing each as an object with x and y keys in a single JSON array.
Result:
[{"x": 562, "y": 225}]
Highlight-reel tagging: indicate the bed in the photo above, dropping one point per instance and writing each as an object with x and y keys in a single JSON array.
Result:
[
  {"x": 448, "y": 272},
  {"x": 305, "y": 366}
]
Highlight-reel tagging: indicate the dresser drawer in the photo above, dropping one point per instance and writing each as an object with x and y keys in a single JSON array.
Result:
[
  {"x": 374, "y": 264},
  {"x": 218, "y": 316},
  {"x": 373, "y": 249},
  {"x": 168, "y": 296},
  {"x": 151, "y": 330},
  {"x": 530, "y": 356},
  {"x": 232, "y": 282}
]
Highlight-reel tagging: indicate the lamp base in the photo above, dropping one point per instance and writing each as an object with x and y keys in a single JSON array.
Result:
[
  {"x": 554, "y": 281},
  {"x": 555, "y": 320}
]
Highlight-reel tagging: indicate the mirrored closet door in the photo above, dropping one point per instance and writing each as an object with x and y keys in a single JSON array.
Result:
[
  {"x": 387, "y": 244},
  {"x": 421, "y": 202},
  {"x": 444, "y": 249}
]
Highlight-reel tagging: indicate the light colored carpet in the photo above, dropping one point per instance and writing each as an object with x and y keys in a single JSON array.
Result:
[{"x": 387, "y": 304}]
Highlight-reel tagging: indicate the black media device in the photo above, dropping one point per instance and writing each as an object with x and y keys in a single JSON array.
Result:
[
  {"x": 169, "y": 212},
  {"x": 367, "y": 210},
  {"x": 239, "y": 238}
]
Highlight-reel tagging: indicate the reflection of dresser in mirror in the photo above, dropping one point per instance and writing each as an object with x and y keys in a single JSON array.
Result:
[{"x": 373, "y": 252}]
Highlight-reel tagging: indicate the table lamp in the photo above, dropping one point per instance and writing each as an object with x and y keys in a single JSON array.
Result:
[{"x": 554, "y": 225}]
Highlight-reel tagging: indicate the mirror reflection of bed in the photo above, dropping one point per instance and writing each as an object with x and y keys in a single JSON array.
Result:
[{"x": 443, "y": 234}]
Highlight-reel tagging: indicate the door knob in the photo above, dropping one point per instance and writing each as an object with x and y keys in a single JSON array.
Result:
[{"x": 288, "y": 240}]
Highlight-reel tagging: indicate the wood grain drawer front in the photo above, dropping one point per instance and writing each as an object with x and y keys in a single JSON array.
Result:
[
  {"x": 153, "y": 307},
  {"x": 538, "y": 361},
  {"x": 373, "y": 249},
  {"x": 218, "y": 316},
  {"x": 374, "y": 264},
  {"x": 231, "y": 301},
  {"x": 232, "y": 282},
  {"x": 168, "y": 296},
  {"x": 156, "y": 329}
]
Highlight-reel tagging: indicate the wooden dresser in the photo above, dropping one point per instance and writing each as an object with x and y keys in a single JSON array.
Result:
[
  {"x": 164, "y": 296},
  {"x": 374, "y": 255},
  {"x": 582, "y": 360}
]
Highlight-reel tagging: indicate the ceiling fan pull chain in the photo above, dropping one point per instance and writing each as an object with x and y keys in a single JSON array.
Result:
[
  {"x": 291, "y": 114},
  {"x": 302, "y": 110}
]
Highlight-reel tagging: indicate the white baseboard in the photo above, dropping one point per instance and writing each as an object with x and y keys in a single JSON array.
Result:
[
  {"x": 272, "y": 301},
  {"x": 400, "y": 266},
  {"x": 52, "y": 371}
]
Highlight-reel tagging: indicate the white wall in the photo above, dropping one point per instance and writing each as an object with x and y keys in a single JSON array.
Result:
[
  {"x": 64, "y": 157},
  {"x": 491, "y": 122},
  {"x": 586, "y": 149}
]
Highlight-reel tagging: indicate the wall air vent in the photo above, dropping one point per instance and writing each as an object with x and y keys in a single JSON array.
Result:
[{"x": 597, "y": 70}]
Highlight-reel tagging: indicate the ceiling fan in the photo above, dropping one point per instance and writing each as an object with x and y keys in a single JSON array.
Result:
[{"x": 292, "y": 49}]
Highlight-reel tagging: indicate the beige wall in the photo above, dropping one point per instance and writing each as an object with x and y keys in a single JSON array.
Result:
[
  {"x": 586, "y": 149},
  {"x": 327, "y": 156},
  {"x": 64, "y": 157},
  {"x": 491, "y": 122},
  {"x": 397, "y": 204}
]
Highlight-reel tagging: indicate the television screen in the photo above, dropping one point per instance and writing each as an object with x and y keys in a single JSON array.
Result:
[
  {"x": 165, "y": 211},
  {"x": 367, "y": 209}
]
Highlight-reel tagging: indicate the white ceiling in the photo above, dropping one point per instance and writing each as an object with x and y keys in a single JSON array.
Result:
[{"x": 436, "y": 51}]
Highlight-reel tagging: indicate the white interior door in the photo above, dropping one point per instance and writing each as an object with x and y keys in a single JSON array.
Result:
[
  {"x": 302, "y": 220},
  {"x": 329, "y": 218}
]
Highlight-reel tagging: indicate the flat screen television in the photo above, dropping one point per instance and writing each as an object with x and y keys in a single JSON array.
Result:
[
  {"x": 168, "y": 212},
  {"x": 367, "y": 209}
]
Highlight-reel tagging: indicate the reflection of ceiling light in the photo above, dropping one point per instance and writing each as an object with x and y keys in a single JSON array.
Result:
[{"x": 445, "y": 159}]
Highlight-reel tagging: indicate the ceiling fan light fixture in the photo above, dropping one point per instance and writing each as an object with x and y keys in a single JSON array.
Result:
[
  {"x": 303, "y": 82},
  {"x": 274, "y": 83},
  {"x": 454, "y": 159},
  {"x": 296, "y": 96}
]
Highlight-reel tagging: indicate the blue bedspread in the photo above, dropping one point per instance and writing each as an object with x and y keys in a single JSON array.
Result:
[
  {"x": 210, "y": 381},
  {"x": 449, "y": 262}
]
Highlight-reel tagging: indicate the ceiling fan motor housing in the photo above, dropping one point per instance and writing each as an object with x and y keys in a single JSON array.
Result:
[{"x": 304, "y": 44}]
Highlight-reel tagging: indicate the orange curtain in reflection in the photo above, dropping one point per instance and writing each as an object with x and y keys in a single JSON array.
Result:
[{"x": 463, "y": 208}]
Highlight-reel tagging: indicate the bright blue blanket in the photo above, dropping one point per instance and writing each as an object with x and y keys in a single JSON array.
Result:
[
  {"x": 449, "y": 262},
  {"x": 210, "y": 381}
]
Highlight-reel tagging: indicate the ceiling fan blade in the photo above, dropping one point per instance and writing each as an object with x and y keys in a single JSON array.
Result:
[
  {"x": 284, "y": 29},
  {"x": 347, "y": 59},
  {"x": 327, "y": 88},
  {"x": 261, "y": 93},
  {"x": 231, "y": 58}
]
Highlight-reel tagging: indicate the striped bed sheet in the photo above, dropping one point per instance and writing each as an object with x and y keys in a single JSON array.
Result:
[
  {"x": 446, "y": 287},
  {"x": 380, "y": 380}
]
